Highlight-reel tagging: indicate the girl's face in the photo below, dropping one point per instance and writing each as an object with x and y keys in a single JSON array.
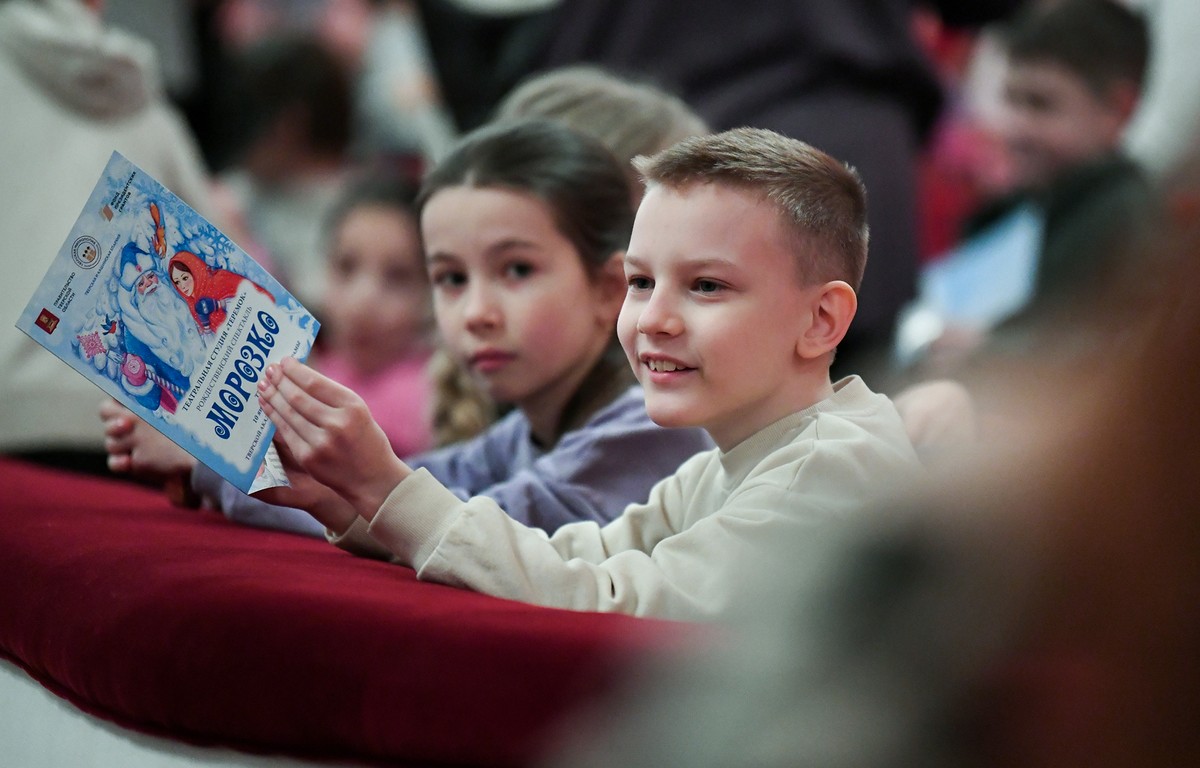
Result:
[
  {"x": 514, "y": 303},
  {"x": 376, "y": 298},
  {"x": 183, "y": 281}
]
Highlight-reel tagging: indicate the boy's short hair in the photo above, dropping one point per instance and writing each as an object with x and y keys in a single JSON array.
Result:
[
  {"x": 822, "y": 200},
  {"x": 1101, "y": 41}
]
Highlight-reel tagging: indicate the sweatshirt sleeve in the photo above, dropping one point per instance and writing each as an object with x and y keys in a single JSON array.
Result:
[
  {"x": 652, "y": 561},
  {"x": 475, "y": 545},
  {"x": 693, "y": 551}
]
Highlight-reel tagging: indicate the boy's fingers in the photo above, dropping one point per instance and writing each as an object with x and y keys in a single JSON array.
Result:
[
  {"x": 301, "y": 402},
  {"x": 278, "y": 411},
  {"x": 292, "y": 426},
  {"x": 317, "y": 385}
]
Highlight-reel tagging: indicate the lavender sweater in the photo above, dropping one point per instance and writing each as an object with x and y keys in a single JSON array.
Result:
[{"x": 592, "y": 473}]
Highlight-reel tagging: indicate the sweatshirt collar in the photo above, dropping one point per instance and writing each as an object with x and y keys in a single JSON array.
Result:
[{"x": 745, "y": 455}]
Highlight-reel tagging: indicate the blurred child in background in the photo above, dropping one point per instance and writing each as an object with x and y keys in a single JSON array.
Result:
[
  {"x": 1073, "y": 75},
  {"x": 630, "y": 117},
  {"x": 1072, "y": 79},
  {"x": 377, "y": 331},
  {"x": 286, "y": 123}
]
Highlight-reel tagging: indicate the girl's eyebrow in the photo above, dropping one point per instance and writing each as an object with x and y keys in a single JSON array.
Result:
[
  {"x": 510, "y": 244},
  {"x": 494, "y": 250}
]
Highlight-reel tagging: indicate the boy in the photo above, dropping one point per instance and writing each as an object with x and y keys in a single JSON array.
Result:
[
  {"x": 1073, "y": 76},
  {"x": 742, "y": 269}
]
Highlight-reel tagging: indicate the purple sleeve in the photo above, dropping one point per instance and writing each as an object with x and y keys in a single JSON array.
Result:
[
  {"x": 592, "y": 474},
  {"x": 248, "y": 510},
  {"x": 471, "y": 467}
]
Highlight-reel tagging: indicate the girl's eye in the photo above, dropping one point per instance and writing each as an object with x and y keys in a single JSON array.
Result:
[
  {"x": 640, "y": 283},
  {"x": 708, "y": 286},
  {"x": 518, "y": 270},
  {"x": 448, "y": 279}
]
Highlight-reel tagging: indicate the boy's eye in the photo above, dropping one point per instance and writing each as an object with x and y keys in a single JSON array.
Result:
[
  {"x": 708, "y": 286},
  {"x": 640, "y": 283}
]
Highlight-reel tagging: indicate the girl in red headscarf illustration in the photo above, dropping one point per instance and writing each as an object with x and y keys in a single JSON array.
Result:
[{"x": 206, "y": 289}]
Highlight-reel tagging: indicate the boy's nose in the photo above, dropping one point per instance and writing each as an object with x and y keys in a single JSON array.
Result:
[{"x": 658, "y": 316}]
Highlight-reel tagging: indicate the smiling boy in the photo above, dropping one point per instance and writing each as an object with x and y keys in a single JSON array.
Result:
[
  {"x": 742, "y": 269},
  {"x": 713, "y": 329}
]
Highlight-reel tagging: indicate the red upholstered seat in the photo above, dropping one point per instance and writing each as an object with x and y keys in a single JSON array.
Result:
[{"x": 178, "y": 622}]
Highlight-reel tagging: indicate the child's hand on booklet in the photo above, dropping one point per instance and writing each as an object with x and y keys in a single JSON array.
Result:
[
  {"x": 304, "y": 492},
  {"x": 329, "y": 433},
  {"x": 134, "y": 447}
]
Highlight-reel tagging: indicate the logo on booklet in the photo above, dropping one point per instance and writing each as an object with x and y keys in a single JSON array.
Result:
[
  {"x": 47, "y": 321},
  {"x": 85, "y": 251}
]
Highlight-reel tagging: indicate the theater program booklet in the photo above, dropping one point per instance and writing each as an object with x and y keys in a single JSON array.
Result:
[{"x": 163, "y": 312}]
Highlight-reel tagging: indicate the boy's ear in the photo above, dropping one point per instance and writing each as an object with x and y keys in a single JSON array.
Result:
[
  {"x": 610, "y": 287},
  {"x": 833, "y": 307}
]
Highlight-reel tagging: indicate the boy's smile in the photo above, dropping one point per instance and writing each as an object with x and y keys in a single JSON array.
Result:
[
  {"x": 663, "y": 367},
  {"x": 714, "y": 312}
]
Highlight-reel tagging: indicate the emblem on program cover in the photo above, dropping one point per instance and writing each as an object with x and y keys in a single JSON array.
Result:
[
  {"x": 85, "y": 251},
  {"x": 47, "y": 321}
]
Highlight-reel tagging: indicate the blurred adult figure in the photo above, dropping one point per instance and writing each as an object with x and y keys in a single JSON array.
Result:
[{"x": 73, "y": 91}]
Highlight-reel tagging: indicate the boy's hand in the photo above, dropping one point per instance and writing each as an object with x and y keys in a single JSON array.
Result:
[
  {"x": 304, "y": 492},
  {"x": 329, "y": 432},
  {"x": 134, "y": 446}
]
